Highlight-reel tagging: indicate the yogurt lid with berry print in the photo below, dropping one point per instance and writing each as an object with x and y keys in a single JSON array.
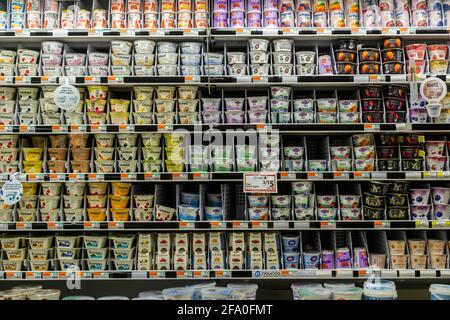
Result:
[
  {"x": 12, "y": 191},
  {"x": 66, "y": 97}
]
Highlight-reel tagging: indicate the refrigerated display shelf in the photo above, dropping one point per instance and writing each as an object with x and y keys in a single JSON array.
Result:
[
  {"x": 311, "y": 33},
  {"x": 406, "y": 274},
  {"x": 231, "y": 176},
  {"x": 227, "y": 225}
]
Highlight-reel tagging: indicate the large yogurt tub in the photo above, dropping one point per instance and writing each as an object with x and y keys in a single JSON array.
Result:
[
  {"x": 354, "y": 293},
  {"x": 243, "y": 291},
  {"x": 380, "y": 290},
  {"x": 296, "y": 287},
  {"x": 178, "y": 293},
  {"x": 439, "y": 292}
]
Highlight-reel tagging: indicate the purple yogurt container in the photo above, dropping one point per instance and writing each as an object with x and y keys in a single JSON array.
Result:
[
  {"x": 237, "y": 19},
  {"x": 254, "y": 20},
  {"x": 221, "y": 5},
  {"x": 440, "y": 195},
  {"x": 235, "y": 116},
  {"x": 254, "y": 6},
  {"x": 271, "y": 5},
  {"x": 419, "y": 196},
  {"x": 270, "y": 18},
  {"x": 237, "y": 5},
  {"x": 212, "y": 117},
  {"x": 220, "y": 19},
  {"x": 287, "y": 19},
  {"x": 327, "y": 259}
]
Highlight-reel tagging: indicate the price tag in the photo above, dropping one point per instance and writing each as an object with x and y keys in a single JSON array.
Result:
[
  {"x": 76, "y": 176},
  {"x": 314, "y": 175},
  {"x": 381, "y": 224},
  {"x": 429, "y": 175},
  {"x": 23, "y": 225},
  {"x": 54, "y": 225},
  {"x": 31, "y": 275},
  {"x": 114, "y": 79},
  {"x": 218, "y": 225},
  {"x": 156, "y": 274},
  {"x": 260, "y": 79},
  {"x": 341, "y": 175},
  {"x": 96, "y": 176},
  {"x": 371, "y": 127},
  {"x": 179, "y": 176},
  {"x": 361, "y": 175},
  {"x": 190, "y": 79},
  {"x": 115, "y": 225},
  {"x": 240, "y": 225},
  {"x": 200, "y": 274},
  {"x": 187, "y": 225},
  {"x": 92, "y": 80},
  {"x": 344, "y": 273},
  {"x": 440, "y": 224},
  {"x": 287, "y": 176},
  {"x": 328, "y": 225},
  {"x": 421, "y": 224},
  {"x": 258, "y": 225},
  {"x": 7, "y": 80},
  {"x": 200, "y": 176},
  {"x": 13, "y": 275},
  {"x": 261, "y": 182},
  {"x": 243, "y": 32},
  {"x": 91, "y": 225},
  {"x": 22, "y": 80},
  {"x": 152, "y": 176},
  {"x": 323, "y": 273}
]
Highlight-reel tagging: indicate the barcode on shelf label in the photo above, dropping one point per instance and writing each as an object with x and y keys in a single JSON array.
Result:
[
  {"x": 314, "y": 175},
  {"x": 96, "y": 176},
  {"x": 115, "y": 79},
  {"x": 289, "y": 79},
  {"x": 186, "y": 225},
  {"x": 6, "y": 79},
  {"x": 115, "y": 225},
  {"x": 179, "y": 176},
  {"x": 91, "y": 225},
  {"x": 100, "y": 275},
  {"x": 200, "y": 274},
  {"x": 258, "y": 225},
  {"x": 440, "y": 224},
  {"x": 76, "y": 176},
  {"x": 22, "y": 80},
  {"x": 243, "y": 79},
  {"x": 189, "y": 79},
  {"x": 156, "y": 274},
  {"x": 33, "y": 275},
  {"x": 13, "y": 275},
  {"x": 200, "y": 176},
  {"x": 361, "y": 175},
  {"x": 371, "y": 127},
  {"x": 24, "y": 225},
  {"x": 218, "y": 225},
  {"x": 381, "y": 224},
  {"x": 341, "y": 175},
  {"x": 323, "y": 273}
]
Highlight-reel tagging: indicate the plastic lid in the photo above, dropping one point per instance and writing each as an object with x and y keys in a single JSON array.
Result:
[
  {"x": 384, "y": 293},
  {"x": 298, "y": 285},
  {"x": 78, "y": 298},
  {"x": 151, "y": 293},
  {"x": 113, "y": 298},
  {"x": 339, "y": 285},
  {"x": 437, "y": 288},
  {"x": 314, "y": 293},
  {"x": 379, "y": 285}
]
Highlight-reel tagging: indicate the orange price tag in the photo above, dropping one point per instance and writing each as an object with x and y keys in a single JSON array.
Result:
[
  {"x": 88, "y": 78},
  {"x": 219, "y": 273},
  {"x": 354, "y": 29},
  {"x": 62, "y": 274},
  {"x": 46, "y": 274},
  {"x": 284, "y": 272},
  {"x": 286, "y": 30},
  {"x": 374, "y": 77},
  {"x": 44, "y": 78},
  {"x": 32, "y": 176},
  {"x": 260, "y": 126},
  {"x": 29, "y": 274},
  {"x": 176, "y": 175},
  {"x": 197, "y": 273},
  {"x": 184, "y": 224},
  {"x": 112, "y": 224},
  {"x": 337, "y": 174},
  {"x": 284, "y": 174},
  {"x": 256, "y": 224},
  {"x": 152, "y": 274},
  {"x": 56, "y": 127},
  {"x": 2, "y": 128},
  {"x": 10, "y": 274},
  {"x": 23, "y": 128},
  {"x": 323, "y": 223},
  {"x": 92, "y": 176},
  {"x": 111, "y": 78},
  {"x": 196, "y": 175},
  {"x": 362, "y": 273},
  {"x": 74, "y": 127},
  {"x": 357, "y": 174},
  {"x": 123, "y": 126},
  {"x": 87, "y": 224},
  {"x": 161, "y": 126},
  {"x": 320, "y": 30},
  {"x": 148, "y": 175},
  {"x": 20, "y": 79},
  {"x": 53, "y": 176},
  {"x": 368, "y": 126},
  {"x": 215, "y": 224},
  {"x": 51, "y": 224},
  {"x": 123, "y": 30},
  {"x": 256, "y": 78},
  {"x": 311, "y": 174},
  {"x": 236, "y": 224},
  {"x": 95, "y": 127},
  {"x": 403, "y": 29},
  {"x": 2, "y": 78},
  {"x": 239, "y": 30},
  {"x": 96, "y": 273},
  {"x": 124, "y": 176},
  {"x": 377, "y": 223},
  {"x": 180, "y": 273},
  {"x": 188, "y": 78}
]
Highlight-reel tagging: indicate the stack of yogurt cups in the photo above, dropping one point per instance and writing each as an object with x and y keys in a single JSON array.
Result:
[
  {"x": 237, "y": 14},
  {"x": 144, "y": 58},
  {"x": 424, "y": 15},
  {"x": 121, "y": 58},
  {"x": 98, "y": 64},
  {"x": 52, "y": 58},
  {"x": 167, "y": 58},
  {"x": 191, "y": 58},
  {"x": 270, "y": 14},
  {"x": 8, "y": 62},
  {"x": 370, "y": 13},
  {"x": 17, "y": 14},
  {"x": 150, "y": 14},
  {"x": 254, "y": 14},
  {"x": 282, "y": 57},
  {"x": 303, "y": 8},
  {"x": 220, "y": 14},
  {"x": 236, "y": 63},
  {"x": 259, "y": 56},
  {"x": 201, "y": 14},
  {"x": 320, "y": 13},
  {"x": 446, "y": 10},
  {"x": 28, "y": 62}
]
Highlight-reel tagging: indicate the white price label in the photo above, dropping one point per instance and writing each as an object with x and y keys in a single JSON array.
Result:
[{"x": 262, "y": 182}]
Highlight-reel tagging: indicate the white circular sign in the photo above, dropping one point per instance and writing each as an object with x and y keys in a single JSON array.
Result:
[
  {"x": 433, "y": 90},
  {"x": 66, "y": 97},
  {"x": 11, "y": 191}
]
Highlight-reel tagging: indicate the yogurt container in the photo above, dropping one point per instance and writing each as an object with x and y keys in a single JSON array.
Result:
[{"x": 439, "y": 292}]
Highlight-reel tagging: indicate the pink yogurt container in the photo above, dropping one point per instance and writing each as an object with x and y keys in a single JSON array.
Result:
[
  {"x": 437, "y": 51},
  {"x": 220, "y": 5},
  {"x": 270, "y": 4},
  {"x": 418, "y": 115},
  {"x": 234, "y": 116},
  {"x": 440, "y": 195},
  {"x": 420, "y": 212},
  {"x": 419, "y": 196},
  {"x": 416, "y": 51},
  {"x": 435, "y": 163},
  {"x": 287, "y": 19},
  {"x": 304, "y": 19},
  {"x": 419, "y": 66},
  {"x": 441, "y": 211},
  {"x": 418, "y": 5},
  {"x": 435, "y": 148}
]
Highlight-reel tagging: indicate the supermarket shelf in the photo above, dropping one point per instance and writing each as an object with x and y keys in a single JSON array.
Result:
[
  {"x": 226, "y": 225},
  {"x": 232, "y": 176},
  {"x": 218, "y": 81},
  {"x": 408, "y": 274},
  {"x": 293, "y": 128},
  {"x": 88, "y": 35}
]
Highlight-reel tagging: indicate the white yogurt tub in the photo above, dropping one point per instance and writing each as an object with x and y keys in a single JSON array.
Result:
[
  {"x": 167, "y": 58},
  {"x": 144, "y": 46},
  {"x": 52, "y": 71},
  {"x": 214, "y": 58},
  {"x": 50, "y": 59},
  {"x": 98, "y": 58},
  {"x": 237, "y": 69},
  {"x": 144, "y": 70},
  {"x": 28, "y": 56},
  {"x": 75, "y": 59},
  {"x": 213, "y": 70},
  {"x": 27, "y": 70},
  {"x": 178, "y": 293},
  {"x": 121, "y": 47},
  {"x": 166, "y": 47},
  {"x": 305, "y": 56},
  {"x": 283, "y": 45},
  {"x": 259, "y": 44},
  {"x": 354, "y": 293},
  {"x": 260, "y": 69},
  {"x": 7, "y": 69},
  {"x": 113, "y": 298},
  {"x": 52, "y": 47},
  {"x": 236, "y": 57},
  {"x": 189, "y": 59},
  {"x": 243, "y": 291},
  {"x": 282, "y": 57},
  {"x": 191, "y": 47},
  {"x": 144, "y": 59},
  {"x": 167, "y": 70},
  {"x": 99, "y": 71},
  {"x": 282, "y": 69},
  {"x": 75, "y": 71}
]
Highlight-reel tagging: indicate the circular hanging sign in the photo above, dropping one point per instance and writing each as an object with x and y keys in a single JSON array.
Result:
[
  {"x": 66, "y": 97},
  {"x": 433, "y": 90},
  {"x": 11, "y": 191}
]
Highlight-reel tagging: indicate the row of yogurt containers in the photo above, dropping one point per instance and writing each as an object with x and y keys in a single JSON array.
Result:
[
  {"x": 118, "y": 58},
  {"x": 305, "y": 13},
  {"x": 135, "y": 14}
]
